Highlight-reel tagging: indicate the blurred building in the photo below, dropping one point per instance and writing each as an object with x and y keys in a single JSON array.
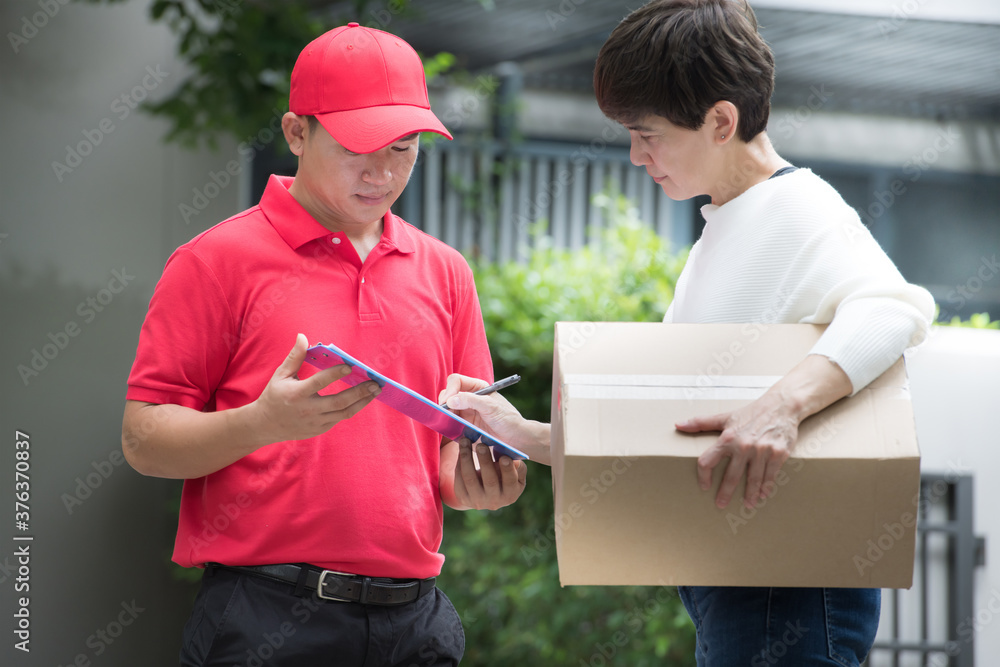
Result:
[{"x": 898, "y": 107}]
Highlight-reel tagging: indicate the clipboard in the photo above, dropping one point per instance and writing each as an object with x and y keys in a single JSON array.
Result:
[{"x": 408, "y": 402}]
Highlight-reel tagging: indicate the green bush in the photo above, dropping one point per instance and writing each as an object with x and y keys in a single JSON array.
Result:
[
  {"x": 975, "y": 321},
  {"x": 501, "y": 572},
  {"x": 628, "y": 276}
]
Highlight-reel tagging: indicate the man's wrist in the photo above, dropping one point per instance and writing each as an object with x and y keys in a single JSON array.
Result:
[{"x": 248, "y": 424}]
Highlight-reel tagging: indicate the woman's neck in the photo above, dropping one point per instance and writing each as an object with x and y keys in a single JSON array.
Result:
[{"x": 744, "y": 165}]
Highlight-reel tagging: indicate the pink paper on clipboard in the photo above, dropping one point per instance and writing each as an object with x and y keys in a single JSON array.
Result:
[{"x": 405, "y": 400}]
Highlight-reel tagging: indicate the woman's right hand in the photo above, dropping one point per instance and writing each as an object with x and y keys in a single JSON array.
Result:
[{"x": 494, "y": 414}]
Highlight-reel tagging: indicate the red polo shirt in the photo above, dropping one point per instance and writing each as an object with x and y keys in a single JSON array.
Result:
[{"x": 363, "y": 497}]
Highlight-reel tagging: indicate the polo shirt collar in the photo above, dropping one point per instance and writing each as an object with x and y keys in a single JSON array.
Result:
[{"x": 296, "y": 227}]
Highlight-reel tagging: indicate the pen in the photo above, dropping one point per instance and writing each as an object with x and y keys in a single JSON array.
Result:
[{"x": 496, "y": 386}]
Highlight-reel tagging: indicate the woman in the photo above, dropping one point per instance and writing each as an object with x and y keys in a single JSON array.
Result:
[{"x": 691, "y": 80}]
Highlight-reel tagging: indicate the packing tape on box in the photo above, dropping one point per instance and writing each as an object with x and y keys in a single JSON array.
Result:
[{"x": 668, "y": 387}]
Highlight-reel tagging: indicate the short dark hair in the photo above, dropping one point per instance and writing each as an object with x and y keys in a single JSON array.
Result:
[{"x": 677, "y": 58}]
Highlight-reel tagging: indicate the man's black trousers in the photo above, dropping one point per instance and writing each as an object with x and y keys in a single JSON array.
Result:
[{"x": 241, "y": 620}]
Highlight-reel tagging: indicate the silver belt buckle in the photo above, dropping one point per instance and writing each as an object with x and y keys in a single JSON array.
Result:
[{"x": 322, "y": 578}]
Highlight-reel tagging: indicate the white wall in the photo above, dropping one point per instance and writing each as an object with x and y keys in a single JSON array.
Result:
[{"x": 955, "y": 384}]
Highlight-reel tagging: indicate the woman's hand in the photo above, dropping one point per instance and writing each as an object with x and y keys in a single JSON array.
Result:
[
  {"x": 494, "y": 414},
  {"x": 758, "y": 438}
]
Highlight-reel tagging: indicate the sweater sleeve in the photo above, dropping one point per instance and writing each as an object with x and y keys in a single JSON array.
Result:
[{"x": 873, "y": 313}]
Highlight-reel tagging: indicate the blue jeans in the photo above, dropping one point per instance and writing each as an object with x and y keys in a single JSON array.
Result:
[{"x": 800, "y": 627}]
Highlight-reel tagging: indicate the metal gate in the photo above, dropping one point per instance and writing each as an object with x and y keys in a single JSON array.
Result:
[{"x": 933, "y": 624}]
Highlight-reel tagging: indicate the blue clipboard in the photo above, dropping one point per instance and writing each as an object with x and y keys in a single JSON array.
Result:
[{"x": 405, "y": 400}]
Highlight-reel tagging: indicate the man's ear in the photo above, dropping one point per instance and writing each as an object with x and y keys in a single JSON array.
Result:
[
  {"x": 724, "y": 119},
  {"x": 296, "y": 131}
]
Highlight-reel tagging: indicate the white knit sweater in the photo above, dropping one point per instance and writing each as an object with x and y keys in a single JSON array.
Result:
[{"x": 791, "y": 250}]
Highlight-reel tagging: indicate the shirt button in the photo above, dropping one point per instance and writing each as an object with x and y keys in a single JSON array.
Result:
[
  {"x": 362, "y": 281},
  {"x": 335, "y": 240}
]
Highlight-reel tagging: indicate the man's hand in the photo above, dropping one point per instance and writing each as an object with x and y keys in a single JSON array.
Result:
[
  {"x": 494, "y": 414},
  {"x": 177, "y": 442},
  {"x": 292, "y": 409},
  {"x": 494, "y": 484},
  {"x": 758, "y": 438}
]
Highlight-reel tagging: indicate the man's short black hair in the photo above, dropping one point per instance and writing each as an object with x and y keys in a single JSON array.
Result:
[{"x": 677, "y": 58}]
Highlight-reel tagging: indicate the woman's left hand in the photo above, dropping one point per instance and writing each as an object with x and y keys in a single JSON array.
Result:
[{"x": 758, "y": 438}]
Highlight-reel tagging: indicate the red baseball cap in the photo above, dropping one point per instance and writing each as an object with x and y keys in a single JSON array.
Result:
[{"x": 365, "y": 86}]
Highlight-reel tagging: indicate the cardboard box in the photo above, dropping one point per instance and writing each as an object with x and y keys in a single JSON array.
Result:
[{"x": 628, "y": 508}]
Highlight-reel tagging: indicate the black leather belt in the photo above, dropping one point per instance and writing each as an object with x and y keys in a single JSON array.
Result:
[{"x": 341, "y": 586}]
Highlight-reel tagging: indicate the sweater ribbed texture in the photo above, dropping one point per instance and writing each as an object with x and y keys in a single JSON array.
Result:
[{"x": 791, "y": 250}]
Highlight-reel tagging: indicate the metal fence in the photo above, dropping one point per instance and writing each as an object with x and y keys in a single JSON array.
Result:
[
  {"x": 933, "y": 623},
  {"x": 488, "y": 199}
]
